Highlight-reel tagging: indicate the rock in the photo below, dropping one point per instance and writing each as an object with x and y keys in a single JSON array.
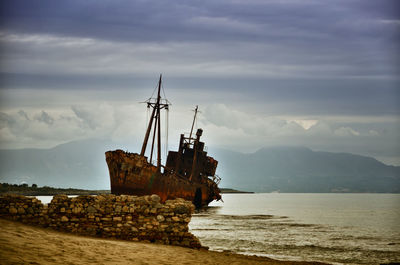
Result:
[
  {"x": 125, "y": 209},
  {"x": 59, "y": 197},
  {"x": 160, "y": 218},
  {"x": 76, "y": 210},
  {"x": 12, "y": 210},
  {"x": 117, "y": 218},
  {"x": 159, "y": 205},
  {"x": 91, "y": 209},
  {"x": 182, "y": 209},
  {"x": 155, "y": 198}
]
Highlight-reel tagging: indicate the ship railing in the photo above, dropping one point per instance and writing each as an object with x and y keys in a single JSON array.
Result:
[{"x": 216, "y": 179}]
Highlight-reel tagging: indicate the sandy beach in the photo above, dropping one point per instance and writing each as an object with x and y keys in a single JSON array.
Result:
[{"x": 23, "y": 244}]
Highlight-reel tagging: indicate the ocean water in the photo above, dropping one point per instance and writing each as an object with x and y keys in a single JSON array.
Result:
[
  {"x": 333, "y": 228},
  {"x": 47, "y": 199}
]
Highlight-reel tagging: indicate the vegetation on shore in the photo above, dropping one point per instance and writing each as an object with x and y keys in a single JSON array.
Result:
[
  {"x": 227, "y": 190},
  {"x": 34, "y": 190}
]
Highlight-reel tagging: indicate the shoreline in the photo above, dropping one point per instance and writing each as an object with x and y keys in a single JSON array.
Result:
[
  {"x": 22, "y": 244},
  {"x": 34, "y": 190}
]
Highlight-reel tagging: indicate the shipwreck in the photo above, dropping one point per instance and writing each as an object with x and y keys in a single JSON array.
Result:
[{"x": 189, "y": 173}]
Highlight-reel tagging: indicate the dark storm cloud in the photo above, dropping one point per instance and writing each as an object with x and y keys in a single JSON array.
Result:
[
  {"x": 347, "y": 38},
  {"x": 275, "y": 21}
]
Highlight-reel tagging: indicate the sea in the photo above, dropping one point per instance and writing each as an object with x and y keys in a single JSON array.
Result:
[{"x": 332, "y": 227}]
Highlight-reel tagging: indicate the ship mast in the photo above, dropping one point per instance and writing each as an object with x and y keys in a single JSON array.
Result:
[
  {"x": 157, "y": 105},
  {"x": 194, "y": 119}
]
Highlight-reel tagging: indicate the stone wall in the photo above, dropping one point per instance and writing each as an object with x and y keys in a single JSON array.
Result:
[{"x": 124, "y": 217}]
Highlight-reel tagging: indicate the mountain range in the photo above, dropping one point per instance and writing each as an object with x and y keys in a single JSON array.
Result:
[
  {"x": 81, "y": 164},
  {"x": 299, "y": 169}
]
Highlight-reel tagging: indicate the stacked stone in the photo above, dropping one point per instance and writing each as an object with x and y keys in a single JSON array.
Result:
[
  {"x": 21, "y": 208},
  {"x": 126, "y": 217}
]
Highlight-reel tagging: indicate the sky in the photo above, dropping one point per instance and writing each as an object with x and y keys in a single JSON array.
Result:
[{"x": 320, "y": 74}]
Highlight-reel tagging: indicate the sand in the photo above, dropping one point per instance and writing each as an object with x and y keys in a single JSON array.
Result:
[{"x": 23, "y": 244}]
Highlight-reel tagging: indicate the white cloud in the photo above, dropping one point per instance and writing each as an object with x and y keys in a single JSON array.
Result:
[
  {"x": 263, "y": 127},
  {"x": 42, "y": 128},
  {"x": 6, "y": 136},
  {"x": 346, "y": 131},
  {"x": 97, "y": 117},
  {"x": 390, "y": 21},
  {"x": 306, "y": 124},
  {"x": 224, "y": 126},
  {"x": 43, "y": 117},
  {"x": 252, "y": 125}
]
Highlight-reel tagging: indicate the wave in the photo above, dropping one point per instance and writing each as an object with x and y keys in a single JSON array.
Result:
[
  {"x": 211, "y": 229},
  {"x": 238, "y": 217}
]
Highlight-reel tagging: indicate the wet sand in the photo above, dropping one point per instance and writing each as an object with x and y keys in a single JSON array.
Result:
[{"x": 23, "y": 244}]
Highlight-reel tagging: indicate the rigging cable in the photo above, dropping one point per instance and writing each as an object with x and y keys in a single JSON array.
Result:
[
  {"x": 166, "y": 131},
  {"x": 155, "y": 89}
]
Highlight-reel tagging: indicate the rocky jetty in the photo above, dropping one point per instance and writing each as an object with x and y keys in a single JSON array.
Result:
[{"x": 109, "y": 216}]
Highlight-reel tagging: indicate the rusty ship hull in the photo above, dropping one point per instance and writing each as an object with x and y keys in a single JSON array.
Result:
[{"x": 131, "y": 174}]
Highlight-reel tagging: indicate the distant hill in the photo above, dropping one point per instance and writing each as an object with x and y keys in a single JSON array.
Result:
[
  {"x": 299, "y": 169},
  {"x": 81, "y": 164}
]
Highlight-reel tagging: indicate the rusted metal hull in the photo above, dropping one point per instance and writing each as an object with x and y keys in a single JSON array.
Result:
[{"x": 130, "y": 173}]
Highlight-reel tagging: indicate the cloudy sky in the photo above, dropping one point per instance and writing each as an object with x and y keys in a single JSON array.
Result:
[{"x": 320, "y": 74}]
